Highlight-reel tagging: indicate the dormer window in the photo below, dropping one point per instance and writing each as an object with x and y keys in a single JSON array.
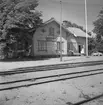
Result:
[{"x": 51, "y": 31}]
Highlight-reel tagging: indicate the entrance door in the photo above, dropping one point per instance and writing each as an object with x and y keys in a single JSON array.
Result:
[{"x": 79, "y": 48}]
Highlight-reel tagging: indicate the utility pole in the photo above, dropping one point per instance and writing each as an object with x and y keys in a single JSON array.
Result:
[
  {"x": 86, "y": 28},
  {"x": 60, "y": 30}
]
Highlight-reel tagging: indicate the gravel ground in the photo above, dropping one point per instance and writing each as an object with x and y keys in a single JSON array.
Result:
[{"x": 57, "y": 93}]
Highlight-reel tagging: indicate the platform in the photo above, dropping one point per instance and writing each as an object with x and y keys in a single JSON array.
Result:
[{"x": 5, "y": 66}]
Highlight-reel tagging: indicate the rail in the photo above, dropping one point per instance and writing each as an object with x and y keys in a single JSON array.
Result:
[
  {"x": 49, "y": 67},
  {"x": 48, "y": 79}
]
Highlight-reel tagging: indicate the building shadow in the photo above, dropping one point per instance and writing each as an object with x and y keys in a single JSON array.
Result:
[{"x": 35, "y": 58}]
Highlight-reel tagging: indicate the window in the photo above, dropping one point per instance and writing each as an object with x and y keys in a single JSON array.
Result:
[
  {"x": 58, "y": 46},
  {"x": 51, "y": 31},
  {"x": 70, "y": 46},
  {"x": 42, "y": 45}
]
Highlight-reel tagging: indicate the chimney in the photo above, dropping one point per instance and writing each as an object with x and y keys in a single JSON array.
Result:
[{"x": 65, "y": 24}]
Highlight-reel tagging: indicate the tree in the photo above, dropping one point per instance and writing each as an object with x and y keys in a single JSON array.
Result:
[
  {"x": 18, "y": 22},
  {"x": 98, "y": 29},
  {"x": 67, "y": 24},
  {"x": 91, "y": 45}
]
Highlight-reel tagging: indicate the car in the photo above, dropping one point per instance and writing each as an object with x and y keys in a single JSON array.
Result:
[{"x": 97, "y": 54}]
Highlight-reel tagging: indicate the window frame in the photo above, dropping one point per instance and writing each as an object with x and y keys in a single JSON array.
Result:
[
  {"x": 58, "y": 44},
  {"x": 51, "y": 31},
  {"x": 42, "y": 45}
]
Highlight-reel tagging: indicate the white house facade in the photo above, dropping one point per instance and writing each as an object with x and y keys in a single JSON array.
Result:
[{"x": 46, "y": 40}]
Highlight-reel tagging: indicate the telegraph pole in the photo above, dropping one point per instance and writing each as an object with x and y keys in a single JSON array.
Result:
[
  {"x": 86, "y": 28},
  {"x": 60, "y": 30}
]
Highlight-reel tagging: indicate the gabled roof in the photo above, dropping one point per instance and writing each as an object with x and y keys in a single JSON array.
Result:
[
  {"x": 77, "y": 32},
  {"x": 74, "y": 31},
  {"x": 53, "y": 19}
]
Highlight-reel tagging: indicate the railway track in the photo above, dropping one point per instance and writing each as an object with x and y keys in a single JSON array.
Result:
[
  {"x": 22, "y": 81},
  {"x": 47, "y": 79},
  {"x": 19, "y": 83},
  {"x": 54, "y": 78},
  {"x": 87, "y": 101},
  {"x": 49, "y": 67}
]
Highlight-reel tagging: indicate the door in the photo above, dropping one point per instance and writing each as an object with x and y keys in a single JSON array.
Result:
[{"x": 79, "y": 48}]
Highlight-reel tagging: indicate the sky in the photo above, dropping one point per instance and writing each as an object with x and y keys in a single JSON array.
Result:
[{"x": 72, "y": 10}]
